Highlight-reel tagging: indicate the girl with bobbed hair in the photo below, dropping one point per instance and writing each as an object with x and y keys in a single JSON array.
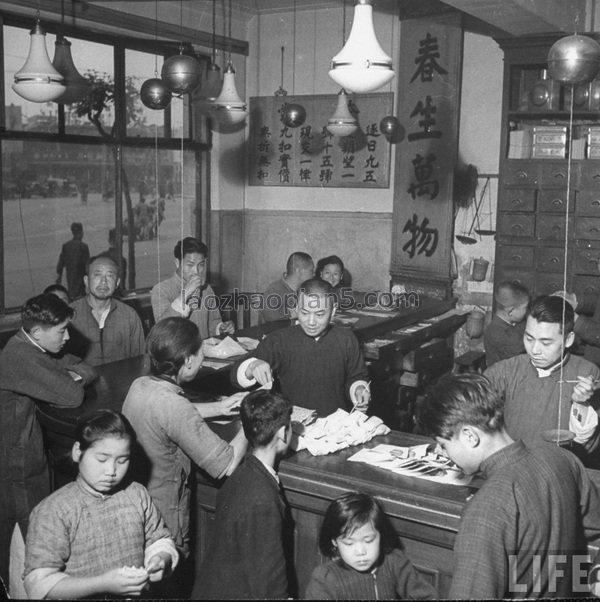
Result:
[{"x": 171, "y": 430}]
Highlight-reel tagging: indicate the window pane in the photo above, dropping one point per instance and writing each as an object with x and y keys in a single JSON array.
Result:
[
  {"x": 155, "y": 191},
  {"x": 22, "y": 114},
  {"x": 46, "y": 187},
  {"x": 96, "y": 63},
  {"x": 141, "y": 120}
]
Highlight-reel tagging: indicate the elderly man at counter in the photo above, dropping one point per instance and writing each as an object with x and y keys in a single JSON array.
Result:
[
  {"x": 103, "y": 328},
  {"x": 548, "y": 388},
  {"x": 523, "y": 533},
  {"x": 319, "y": 365}
]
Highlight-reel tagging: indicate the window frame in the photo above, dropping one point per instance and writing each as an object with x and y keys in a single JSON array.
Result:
[{"x": 120, "y": 140}]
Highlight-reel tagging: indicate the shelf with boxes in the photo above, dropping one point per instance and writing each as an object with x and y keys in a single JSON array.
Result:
[{"x": 548, "y": 221}]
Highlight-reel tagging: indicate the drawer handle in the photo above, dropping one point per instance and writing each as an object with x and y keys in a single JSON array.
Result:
[
  {"x": 516, "y": 258},
  {"x": 517, "y": 227},
  {"x": 523, "y": 175},
  {"x": 560, "y": 176},
  {"x": 556, "y": 228},
  {"x": 554, "y": 259},
  {"x": 589, "y": 289},
  {"x": 594, "y": 229},
  {"x": 595, "y": 203},
  {"x": 596, "y": 176},
  {"x": 557, "y": 202},
  {"x": 517, "y": 202}
]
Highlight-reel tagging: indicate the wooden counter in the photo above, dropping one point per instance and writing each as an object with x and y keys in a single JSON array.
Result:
[{"x": 425, "y": 514}]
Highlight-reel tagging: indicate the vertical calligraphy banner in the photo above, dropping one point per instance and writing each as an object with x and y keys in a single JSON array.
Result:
[{"x": 429, "y": 78}]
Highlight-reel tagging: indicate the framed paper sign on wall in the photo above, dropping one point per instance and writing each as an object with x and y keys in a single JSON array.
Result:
[{"x": 310, "y": 155}]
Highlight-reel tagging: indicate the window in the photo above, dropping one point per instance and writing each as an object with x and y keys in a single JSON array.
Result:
[{"x": 59, "y": 166}]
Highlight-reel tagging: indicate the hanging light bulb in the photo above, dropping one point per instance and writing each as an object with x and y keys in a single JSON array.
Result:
[
  {"x": 391, "y": 128},
  {"x": 181, "y": 73},
  {"x": 342, "y": 122},
  {"x": 293, "y": 114},
  {"x": 37, "y": 80},
  {"x": 213, "y": 83},
  {"x": 77, "y": 87},
  {"x": 362, "y": 65},
  {"x": 210, "y": 88},
  {"x": 574, "y": 59},
  {"x": 155, "y": 94},
  {"x": 228, "y": 107}
]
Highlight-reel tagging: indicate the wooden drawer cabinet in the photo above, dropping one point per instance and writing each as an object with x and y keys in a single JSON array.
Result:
[
  {"x": 586, "y": 261},
  {"x": 551, "y": 227},
  {"x": 586, "y": 284},
  {"x": 517, "y": 199},
  {"x": 555, "y": 200},
  {"x": 521, "y": 172},
  {"x": 550, "y": 259},
  {"x": 587, "y": 228},
  {"x": 546, "y": 284},
  {"x": 544, "y": 203},
  {"x": 588, "y": 201},
  {"x": 517, "y": 225},
  {"x": 515, "y": 256}
]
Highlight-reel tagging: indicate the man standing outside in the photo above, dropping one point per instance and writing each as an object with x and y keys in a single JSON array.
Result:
[
  {"x": 103, "y": 328},
  {"x": 73, "y": 257},
  {"x": 187, "y": 294}
]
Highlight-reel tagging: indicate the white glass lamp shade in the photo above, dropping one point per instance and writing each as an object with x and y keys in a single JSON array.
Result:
[
  {"x": 342, "y": 122},
  {"x": 210, "y": 88},
  {"x": 37, "y": 80},
  {"x": 362, "y": 65},
  {"x": 77, "y": 87},
  {"x": 229, "y": 108}
]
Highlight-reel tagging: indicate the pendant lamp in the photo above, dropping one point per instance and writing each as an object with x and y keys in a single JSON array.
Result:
[
  {"x": 77, "y": 86},
  {"x": 342, "y": 122},
  {"x": 181, "y": 73},
  {"x": 37, "y": 80},
  {"x": 229, "y": 108},
  {"x": 211, "y": 87},
  {"x": 574, "y": 59},
  {"x": 155, "y": 94},
  {"x": 362, "y": 65}
]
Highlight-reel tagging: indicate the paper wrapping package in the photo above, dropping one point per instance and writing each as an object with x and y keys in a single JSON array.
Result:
[
  {"x": 228, "y": 347},
  {"x": 336, "y": 431},
  {"x": 421, "y": 461}
]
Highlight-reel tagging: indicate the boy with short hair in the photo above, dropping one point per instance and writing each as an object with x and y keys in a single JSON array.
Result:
[
  {"x": 522, "y": 535},
  {"x": 32, "y": 370},
  {"x": 280, "y": 297},
  {"x": 187, "y": 294},
  {"x": 247, "y": 558},
  {"x": 319, "y": 366},
  {"x": 503, "y": 336}
]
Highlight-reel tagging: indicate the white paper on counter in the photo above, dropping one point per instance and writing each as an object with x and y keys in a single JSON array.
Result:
[{"x": 399, "y": 459}]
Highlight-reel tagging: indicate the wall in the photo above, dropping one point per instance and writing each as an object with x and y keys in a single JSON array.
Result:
[{"x": 271, "y": 222}]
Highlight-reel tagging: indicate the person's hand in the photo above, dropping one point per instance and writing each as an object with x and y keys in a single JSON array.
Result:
[
  {"x": 261, "y": 371},
  {"x": 157, "y": 565},
  {"x": 227, "y": 327},
  {"x": 85, "y": 371},
  {"x": 363, "y": 397},
  {"x": 230, "y": 406},
  {"x": 126, "y": 581},
  {"x": 191, "y": 285},
  {"x": 583, "y": 390}
]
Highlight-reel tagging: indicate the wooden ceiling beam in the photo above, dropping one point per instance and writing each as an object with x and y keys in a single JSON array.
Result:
[{"x": 525, "y": 17}]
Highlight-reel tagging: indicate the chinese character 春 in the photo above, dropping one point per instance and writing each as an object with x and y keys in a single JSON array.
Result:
[{"x": 426, "y": 61}]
